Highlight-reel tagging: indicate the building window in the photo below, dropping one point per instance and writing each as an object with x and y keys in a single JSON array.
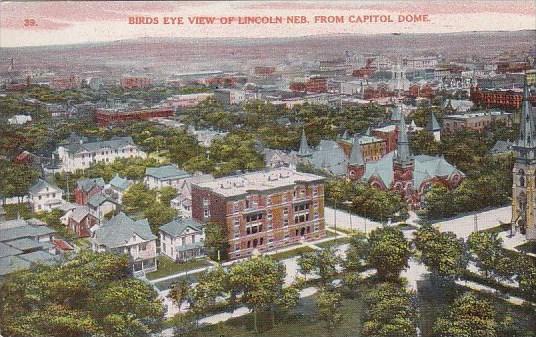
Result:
[
  {"x": 285, "y": 211},
  {"x": 269, "y": 200},
  {"x": 206, "y": 212},
  {"x": 285, "y": 222},
  {"x": 237, "y": 247}
]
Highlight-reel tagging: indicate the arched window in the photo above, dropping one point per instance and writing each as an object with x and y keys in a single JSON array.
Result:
[{"x": 521, "y": 178}]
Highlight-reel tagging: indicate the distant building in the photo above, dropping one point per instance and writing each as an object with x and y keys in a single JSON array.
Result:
[
  {"x": 182, "y": 240},
  {"x": 117, "y": 187},
  {"x": 122, "y": 235},
  {"x": 476, "y": 121},
  {"x": 105, "y": 117},
  {"x": 262, "y": 210},
  {"x": 164, "y": 176},
  {"x": 19, "y": 119},
  {"x": 82, "y": 154},
  {"x": 178, "y": 102},
  {"x": 44, "y": 196},
  {"x": 135, "y": 82},
  {"x": 499, "y": 98},
  {"x": 229, "y": 96},
  {"x": 502, "y": 147},
  {"x": 65, "y": 82}
]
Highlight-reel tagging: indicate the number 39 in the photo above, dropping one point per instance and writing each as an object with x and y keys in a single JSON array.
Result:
[{"x": 29, "y": 22}]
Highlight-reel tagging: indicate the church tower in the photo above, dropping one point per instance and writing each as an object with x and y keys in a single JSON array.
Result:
[
  {"x": 305, "y": 150},
  {"x": 523, "y": 188},
  {"x": 356, "y": 164},
  {"x": 403, "y": 162}
]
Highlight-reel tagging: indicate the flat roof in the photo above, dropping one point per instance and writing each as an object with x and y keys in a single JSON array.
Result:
[{"x": 258, "y": 181}]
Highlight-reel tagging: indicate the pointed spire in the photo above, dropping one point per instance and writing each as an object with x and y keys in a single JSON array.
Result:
[
  {"x": 403, "y": 155},
  {"x": 368, "y": 132},
  {"x": 356, "y": 156},
  {"x": 527, "y": 127},
  {"x": 432, "y": 123},
  {"x": 305, "y": 150}
]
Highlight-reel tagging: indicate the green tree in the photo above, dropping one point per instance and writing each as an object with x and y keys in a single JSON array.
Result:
[
  {"x": 179, "y": 292},
  {"x": 442, "y": 253},
  {"x": 324, "y": 262},
  {"x": 469, "y": 316},
  {"x": 487, "y": 250},
  {"x": 137, "y": 198},
  {"x": 216, "y": 241},
  {"x": 158, "y": 215},
  {"x": 356, "y": 253},
  {"x": 89, "y": 294},
  {"x": 260, "y": 281},
  {"x": 329, "y": 304},
  {"x": 166, "y": 194},
  {"x": 389, "y": 252},
  {"x": 390, "y": 312}
]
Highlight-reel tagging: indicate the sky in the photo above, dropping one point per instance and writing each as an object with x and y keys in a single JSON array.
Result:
[{"x": 57, "y": 23}]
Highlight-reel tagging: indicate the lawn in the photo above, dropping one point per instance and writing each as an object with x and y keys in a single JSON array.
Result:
[
  {"x": 332, "y": 243},
  {"x": 166, "y": 267},
  {"x": 291, "y": 253},
  {"x": 302, "y": 322}
]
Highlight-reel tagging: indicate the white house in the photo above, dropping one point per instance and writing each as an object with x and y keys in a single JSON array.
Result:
[
  {"x": 19, "y": 119},
  {"x": 182, "y": 240},
  {"x": 122, "y": 235},
  {"x": 44, "y": 196},
  {"x": 80, "y": 155},
  {"x": 183, "y": 201},
  {"x": 168, "y": 175},
  {"x": 100, "y": 205}
]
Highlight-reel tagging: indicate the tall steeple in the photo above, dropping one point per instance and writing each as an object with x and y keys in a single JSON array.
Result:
[
  {"x": 305, "y": 150},
  {"x": 403, "y": 156},
  {"x": 525, "y": 146}
]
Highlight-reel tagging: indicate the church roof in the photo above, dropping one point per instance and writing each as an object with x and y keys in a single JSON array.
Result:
[
  {"x": 304, "y": 150},
  {"x": 527, "y": 127},
  {"x": 432, "y": 123},
  {"x": 356, "y": 154},
  {"x": 330, "y": 157}
]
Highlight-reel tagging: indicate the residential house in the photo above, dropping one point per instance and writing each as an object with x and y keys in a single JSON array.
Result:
[
  {"x": 182, "y": 239},
  {"x": 123, "y": 235},
  {"x": 101, "y": 204},
  {"x": 86, "y": 188},
  {"x": 81, "y": 220},
  {"x": 24, "y": 243},
  {"x": 44, "y": 196},
  {"x": 163, "y": 176},
  {"x": 183, "y": 201},
  {"x": 117, "y": 187}
]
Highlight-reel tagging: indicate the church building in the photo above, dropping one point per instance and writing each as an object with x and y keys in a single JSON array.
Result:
[{"x": 523, "y": 188}]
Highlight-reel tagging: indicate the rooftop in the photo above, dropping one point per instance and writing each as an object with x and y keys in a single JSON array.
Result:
[
  {"x": 166, "y": 172},
  {"x": 117, "y": 231},
  {"x": 178, "y": 226},
  {"x": 258, "y": 181}
]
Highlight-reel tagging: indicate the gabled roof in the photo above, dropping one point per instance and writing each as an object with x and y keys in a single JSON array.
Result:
[
  {"x": 11, "y": 264},
  {"x": 113, "y": 144},
  {"x": 502, "y": 146},
  {"x": 80, "y": 213},
  {"x": 26, "y": 231},
  {"x": 98, "y": 199},
  {"x": 117, "y": 231},
  {"x": 330, "y": 157},
  {"x": 119, "y": 183},
  {"x": 178, "y": 226},
  {"x": 6, "y": 250},
  {"x": 40, "y": 257},
  {"x": 87, "y": 184},
  {"x": 24, "y": 244},
  {"x": 166, "y": 172},
  {"x": 41, "y": 185}
]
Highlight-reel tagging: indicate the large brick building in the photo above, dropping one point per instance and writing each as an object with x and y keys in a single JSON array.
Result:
[
  {"x": 262, "y": 210},
  {"x": 106, "y": 117},
  {"x": 500, "y": 98}
]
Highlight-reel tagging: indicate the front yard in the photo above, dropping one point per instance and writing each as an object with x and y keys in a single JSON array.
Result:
[{"x": 167, "y": 267}]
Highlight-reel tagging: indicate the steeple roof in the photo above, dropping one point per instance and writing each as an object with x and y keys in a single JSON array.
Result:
[
  {"x": 305, "y": 150},
  {"x": 356, "y": 156},
  {"x": 432, "y": 124},
  {"x": 527, "y": 127},
  {"x": 403, "y": 155}
]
